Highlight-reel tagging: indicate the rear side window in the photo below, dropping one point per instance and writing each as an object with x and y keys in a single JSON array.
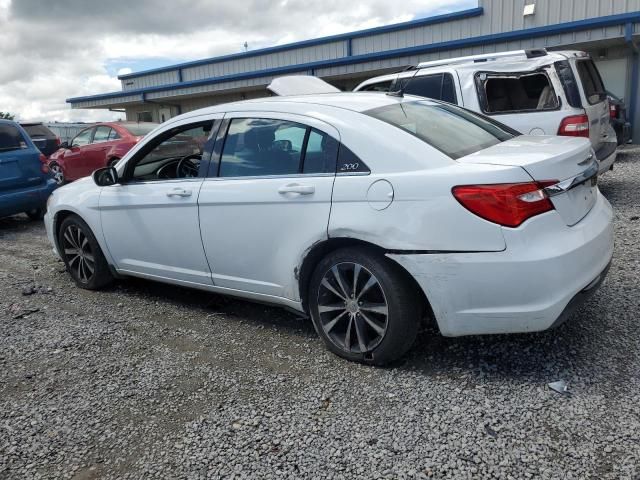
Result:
[
  {"x": 262, "y": 147},
  {"x": 10, "y": 138},
  {"x": 523, "y": 92},
  {"x": 591, "y": 81},
  {"x": 439, "y": 86},
  {"x": 454, "y": 131}
]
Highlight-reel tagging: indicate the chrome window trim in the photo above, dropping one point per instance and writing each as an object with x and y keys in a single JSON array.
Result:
[{"x": 257, "y": 177}]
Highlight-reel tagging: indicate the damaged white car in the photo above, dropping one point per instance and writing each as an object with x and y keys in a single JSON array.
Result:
[{"x": 366, "y": 212}]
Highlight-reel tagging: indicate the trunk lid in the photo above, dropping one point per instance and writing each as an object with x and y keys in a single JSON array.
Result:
[{"x": 547, "y": 158}]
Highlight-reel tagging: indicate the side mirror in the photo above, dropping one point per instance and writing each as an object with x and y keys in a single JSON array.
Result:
[
  {"x": 64, "y": 145},
  {"x": 104, "y": 177}
]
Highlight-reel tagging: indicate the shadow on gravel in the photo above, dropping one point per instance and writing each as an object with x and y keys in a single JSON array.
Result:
[{"x": 210, "y": 303}]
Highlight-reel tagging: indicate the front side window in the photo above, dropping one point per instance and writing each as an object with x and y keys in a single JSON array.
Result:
[
  {"x": 10, "y": 138},
  {"x": 592, "y": 84},
  {"x": 262, "y": 147},
  {"x": 454, "y": 131},
  {"x": 83, "y": 138},
  {"x": 520, "y": 92},
  {"x": 176, "y": 153},
  {"x": 102, "y": 134}
]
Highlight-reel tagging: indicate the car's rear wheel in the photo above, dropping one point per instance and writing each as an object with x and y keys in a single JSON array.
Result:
[
  {"x": 363, "y": 306},
  {"x": 36, "y": 214},
  {"x": 58, "y": 174},
  {"x": 82, "y": 255}
]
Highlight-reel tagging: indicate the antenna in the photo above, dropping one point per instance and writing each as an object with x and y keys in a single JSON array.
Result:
[
  {"x": 246, "y": 47},
  {"x": 403, "y": 86}
]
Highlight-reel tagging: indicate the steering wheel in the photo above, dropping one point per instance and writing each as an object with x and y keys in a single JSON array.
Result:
[{"x": 189, "y": 166}]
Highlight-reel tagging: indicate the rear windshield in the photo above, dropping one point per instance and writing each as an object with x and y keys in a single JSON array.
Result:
[
  {"x": 38, "y": 131},
  {"x": 10, "y": 138},
  {"x": 452, "y": 130},
  {"x": 591, "y": 81},
  {"x": 139, "y": 129}
]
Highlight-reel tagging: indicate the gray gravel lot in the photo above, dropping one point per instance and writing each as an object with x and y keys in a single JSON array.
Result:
[{"x": 145, "y": 380}]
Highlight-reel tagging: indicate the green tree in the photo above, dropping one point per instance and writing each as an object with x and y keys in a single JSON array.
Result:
[{"x": 6, "y": 116}]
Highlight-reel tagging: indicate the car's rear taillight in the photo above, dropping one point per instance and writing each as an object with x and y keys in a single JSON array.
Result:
[
  {"x": 574, "y": 126},
  {"x": 613, "y": 111},
  {"x": 44, "y": 164},
  {"x": 507, "y": 204}
]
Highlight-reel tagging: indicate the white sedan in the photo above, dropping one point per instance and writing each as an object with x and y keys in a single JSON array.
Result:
[{"x": 368, "y": 212}]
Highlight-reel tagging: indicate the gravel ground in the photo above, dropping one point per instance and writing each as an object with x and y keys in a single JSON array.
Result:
[{"x": 146, "y": 380}]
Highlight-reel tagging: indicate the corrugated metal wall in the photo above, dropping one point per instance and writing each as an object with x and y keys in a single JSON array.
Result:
[{"x": 499, "y": 16}]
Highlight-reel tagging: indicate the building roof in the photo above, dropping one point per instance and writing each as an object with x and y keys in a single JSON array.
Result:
[{"x": 225, "y": 74}]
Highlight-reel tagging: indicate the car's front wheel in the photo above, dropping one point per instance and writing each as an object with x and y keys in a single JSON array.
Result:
[
  {"x": 57, "y": 172},
  {"x": 363, "y": 306},
  {"x": 82, "y": 255}
]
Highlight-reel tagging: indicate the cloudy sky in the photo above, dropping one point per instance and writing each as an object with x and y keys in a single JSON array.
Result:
[{"x": 55, "y": 49}]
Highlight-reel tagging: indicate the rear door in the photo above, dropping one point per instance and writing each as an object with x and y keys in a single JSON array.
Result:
[
  {"x": 267, "y": 199},
  {"x": 595, "y": 103},
  {"x": 19, "y": 160},
  {"x": 439, "y": 86},
  {"x": 527, "y": 101}
]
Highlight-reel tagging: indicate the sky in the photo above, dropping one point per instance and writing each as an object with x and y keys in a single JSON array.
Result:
[{"x": 52, "y": 50}]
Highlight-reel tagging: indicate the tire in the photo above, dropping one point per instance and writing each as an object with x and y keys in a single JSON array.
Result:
[
  {"x": 58, "y": 173},
  {"x": 36, "y": 214},
  {"x": 71, "y": 238},
  {"x": 358, "y": 330},
  {"x": 112, "y": 162}
]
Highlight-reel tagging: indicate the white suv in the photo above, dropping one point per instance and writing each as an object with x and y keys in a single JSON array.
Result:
[{"x": 533, "y": 91}]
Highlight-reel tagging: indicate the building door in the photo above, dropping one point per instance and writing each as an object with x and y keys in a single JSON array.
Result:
[{"x": 164, "y": 114}]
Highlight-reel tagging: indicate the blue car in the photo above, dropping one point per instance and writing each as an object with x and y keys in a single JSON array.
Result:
[{"x": 25, "y": 181}]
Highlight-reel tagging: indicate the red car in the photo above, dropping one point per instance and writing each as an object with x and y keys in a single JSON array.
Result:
[{"x": 95, "y": 147}]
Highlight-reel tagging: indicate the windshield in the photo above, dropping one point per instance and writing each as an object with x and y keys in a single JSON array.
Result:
[
  {"x": 139, "y": 129},
  {"x": 452, "y": 130}
]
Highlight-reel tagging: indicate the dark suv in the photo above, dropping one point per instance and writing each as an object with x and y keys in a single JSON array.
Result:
[
  {"x": 43, "y": 138},
  {"x": 25, "y": 180}
]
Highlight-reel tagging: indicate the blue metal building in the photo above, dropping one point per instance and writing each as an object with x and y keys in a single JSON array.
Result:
[{"x": 608, "y": 29}]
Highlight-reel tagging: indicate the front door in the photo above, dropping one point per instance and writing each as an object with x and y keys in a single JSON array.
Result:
[
  {"x": 150, "y": 220},
  {"x": 267, "y": 200},
  {"x": 75, "y": 157}
]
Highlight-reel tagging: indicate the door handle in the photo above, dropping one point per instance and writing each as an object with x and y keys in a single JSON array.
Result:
[
  {"x": 297, "y": 188},
  {"x": 179, "y": 192}
]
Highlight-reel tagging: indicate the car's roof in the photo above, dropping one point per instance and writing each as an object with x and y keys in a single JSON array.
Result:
[
  {"x": 356, "y": 102},
  {"x": 500, "y": 64},
  {"x": 5, "y": 120}
]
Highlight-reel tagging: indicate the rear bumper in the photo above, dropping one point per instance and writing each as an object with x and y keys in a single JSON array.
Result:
[
  {"x": 22, "y": 200},
  {"x": 606, "y": 155},
  {"x": 525, "y": 288}
]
